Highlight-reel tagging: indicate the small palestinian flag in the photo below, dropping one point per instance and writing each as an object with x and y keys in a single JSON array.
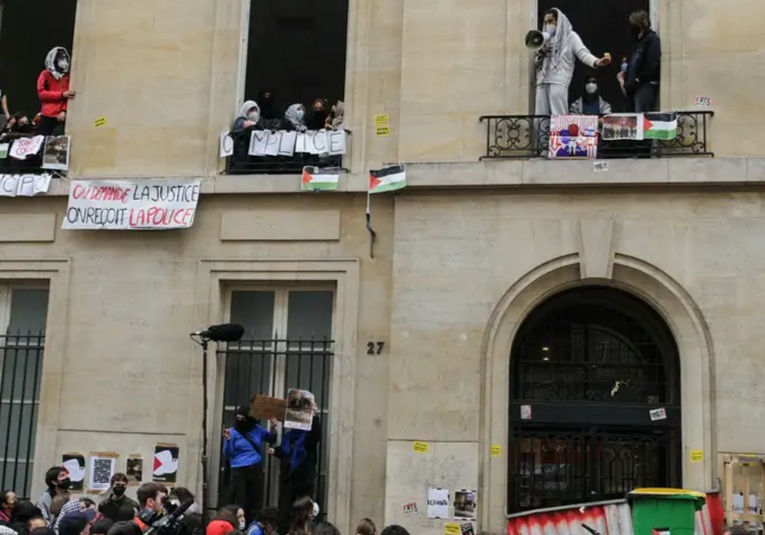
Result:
[
  {"x": 660, "y": 126},
  {"x": 320, "y": 179},
  {"x": 661, "y": 531},
  {"x": 388, "y": 179}
]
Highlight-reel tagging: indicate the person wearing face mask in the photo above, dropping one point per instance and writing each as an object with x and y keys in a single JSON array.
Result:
[
  {"x": 117, "y": 507},
  {"x": 590, "y": 103},
  {"x": 53, "y": 91},
  {"x": 555, "y": 63},
  {"x": 57, "y": 481},
  {"x": 640, "y": 81},
  {"x": 294, "y": 118},
  {"x": 249, "y": 116},
  {"x": 319, "y": 115},
  {"x": 270, "y": 116},
  {"x": 243, "y": 446}
]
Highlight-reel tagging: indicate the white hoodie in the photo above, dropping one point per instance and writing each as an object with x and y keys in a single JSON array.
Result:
[{"x": 557, "y": 68}]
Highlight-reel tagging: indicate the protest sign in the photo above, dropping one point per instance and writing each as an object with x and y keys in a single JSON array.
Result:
[
  {"x": 266, "y": 408},
  {"x": 573, "y": 136},
  {"x": 287, "y": 143},
  {"x": 56, "y": 154},
  {"x": 24, "y": 185},
  {"x": 26, "y": 147},
  {"x": 300, "y": 408},
  {"x": 623, "y": 126},
  {"x": 155, "y": 204}
]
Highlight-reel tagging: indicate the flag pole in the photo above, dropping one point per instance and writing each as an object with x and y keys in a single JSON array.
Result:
[{"x": 372, "y": 233}]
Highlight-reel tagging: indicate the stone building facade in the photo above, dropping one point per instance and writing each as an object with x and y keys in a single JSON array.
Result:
[{"x": 434, "y": 336}]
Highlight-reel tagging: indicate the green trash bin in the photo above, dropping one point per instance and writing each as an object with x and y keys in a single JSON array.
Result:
[{"x": 661, "y": 511}]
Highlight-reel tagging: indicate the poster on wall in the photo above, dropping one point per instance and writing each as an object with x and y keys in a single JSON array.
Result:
[
  {"x": 102, "y": 467},
  {"x": 134, "y": 470},
  {"x": 149, "y": 204},
  {"x": 165, "y": 469},
  {"x": 438, "y": 503},
  {"x": 465, "y": 504},
  {"x": 74, "y": 464}
]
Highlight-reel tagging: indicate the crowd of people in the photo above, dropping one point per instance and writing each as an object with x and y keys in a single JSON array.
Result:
[
  {"x": 264, "y": 114},
  {"x": 54, "y": 93}
]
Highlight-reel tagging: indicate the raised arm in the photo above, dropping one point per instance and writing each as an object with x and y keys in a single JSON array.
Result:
[{"x": 582, "y": 52}]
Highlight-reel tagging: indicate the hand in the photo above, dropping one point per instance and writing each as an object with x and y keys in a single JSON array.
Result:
[
  {"x": 271, "y": 451},
  {"x": 249, "y": 124},
  {"x": 69, "y": 94},
  {"x": 61, "y": 117},
  {"x": 274, "y": 421},
  {"x": 226, "y": 433},
  {"x": 313, "y": 406},
  {"x": 603, "y": 62}
]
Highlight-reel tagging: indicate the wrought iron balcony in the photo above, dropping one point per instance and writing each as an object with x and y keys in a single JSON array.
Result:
[
  {"x": 528, "y": 136},
  {"x": 242, "y": 163}
]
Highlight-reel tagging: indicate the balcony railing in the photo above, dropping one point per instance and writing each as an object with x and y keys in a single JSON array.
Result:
[
  {"x": 242, "y": 163},
  {"x": 528, "y": 136}
]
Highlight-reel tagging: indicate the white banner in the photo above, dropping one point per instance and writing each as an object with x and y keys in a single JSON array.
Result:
[
  {"x": 287, "y": 143},
  {"x": 24, "y": 185},
  {"x": 155, "y": 204}
]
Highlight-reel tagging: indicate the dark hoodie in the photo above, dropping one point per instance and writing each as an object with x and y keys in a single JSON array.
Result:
[
  {"x": 644, "y": 66},
  {"x": 270, "y": 115},
  {"x": 52, "y": 83},
  {"x": 317, "y": 120}
]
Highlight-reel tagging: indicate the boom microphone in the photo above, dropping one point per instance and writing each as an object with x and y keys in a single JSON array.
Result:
[{"x": 227, "y": 332}]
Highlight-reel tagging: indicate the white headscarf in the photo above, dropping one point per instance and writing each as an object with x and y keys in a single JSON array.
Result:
[
  {"x": 52, "y": 65},
  {"x": 556, "y": 44},
  {"x": 291, "y": 115},
  {"x": 246, "y": 107}
]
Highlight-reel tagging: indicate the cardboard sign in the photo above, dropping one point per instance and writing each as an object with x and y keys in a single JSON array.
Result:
[{"x": 265, "y": 408}]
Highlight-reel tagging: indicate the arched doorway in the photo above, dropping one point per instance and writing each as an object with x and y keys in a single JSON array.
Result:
[{"x": 595, "y": 401}]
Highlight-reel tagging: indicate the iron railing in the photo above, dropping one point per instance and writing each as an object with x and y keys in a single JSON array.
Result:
[
  {"x": 241, "y": 163},
  {"x": 272, "y": 367},
  {"x": 580, "y": 465},
  {"x": 527, "y": 136},
  {"x": 21, "y": 369}
]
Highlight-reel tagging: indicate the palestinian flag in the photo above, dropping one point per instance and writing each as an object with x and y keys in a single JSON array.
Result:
[
  {"x": 320, "y": 179},
  {"x": 661, "y": 531},
  {"x": 388, "y": 179},
  {"x": 660, "y": 126}
]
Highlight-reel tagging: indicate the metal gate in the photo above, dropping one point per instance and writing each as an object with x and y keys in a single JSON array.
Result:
[
  {"x": 271, "y": 367},
  {"x": 595, "y": 408}
]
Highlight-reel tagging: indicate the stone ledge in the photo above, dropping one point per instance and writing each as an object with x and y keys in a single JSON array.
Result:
[{"x": 510, "y": 173}]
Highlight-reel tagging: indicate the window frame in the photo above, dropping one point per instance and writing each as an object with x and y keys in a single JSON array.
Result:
[{"x": 280, "y": 322}]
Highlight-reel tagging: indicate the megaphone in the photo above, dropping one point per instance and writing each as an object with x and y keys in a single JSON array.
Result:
[{"x": 536, "y": 39}]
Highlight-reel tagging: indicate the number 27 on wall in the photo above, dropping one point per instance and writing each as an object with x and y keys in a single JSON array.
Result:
[{"x": 375, "y": 348}]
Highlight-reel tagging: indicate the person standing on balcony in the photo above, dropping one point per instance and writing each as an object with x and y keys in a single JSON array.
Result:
[
  {"x": 53, "y": 90},
  {"x": 640, "y": 82},
  {"x": 243, "y": 446},
  {"x": 249, "y": 116},
  {"x": 555, "y": 63},
  {"x": 270, "y": 116},
  {"x": 319, "y": 114},
  {"x": 294, "y": 118}
]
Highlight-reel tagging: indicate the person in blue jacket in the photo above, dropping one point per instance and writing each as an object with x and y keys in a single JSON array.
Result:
[{"x": 244, "y": 445}]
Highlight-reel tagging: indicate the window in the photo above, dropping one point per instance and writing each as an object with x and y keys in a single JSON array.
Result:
[
  {"x": 287, "y": 344},
  {"x": 23, "y": 312}
]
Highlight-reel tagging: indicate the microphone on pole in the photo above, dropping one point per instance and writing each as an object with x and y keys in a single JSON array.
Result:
[{"x": 226, "y": 332}]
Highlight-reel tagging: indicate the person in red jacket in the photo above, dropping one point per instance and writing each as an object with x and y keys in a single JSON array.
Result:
[{"x": 53, "y": 90}]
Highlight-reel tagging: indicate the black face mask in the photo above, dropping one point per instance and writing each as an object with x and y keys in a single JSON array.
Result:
[
  {"x": 118, "y": 490},
  {"x": 65, "y": 484},
  {"x": 635, "y": 29}
]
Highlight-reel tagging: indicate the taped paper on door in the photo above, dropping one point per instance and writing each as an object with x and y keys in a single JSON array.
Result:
[{"x": 658, "y": 414}]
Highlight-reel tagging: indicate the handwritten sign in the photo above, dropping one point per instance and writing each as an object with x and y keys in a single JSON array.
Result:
[
  {"x": 26, "y": 147},
  {"x": 421, "y": 447},
  {"x": 284, "y": 143},
  {"x": 697, "y": 456},
  {"x": 266, "y": 408},
  {"x": 154, "y": 204},
  {"x": 99, "y": 122},
  {"x": 24, "y": 185}
]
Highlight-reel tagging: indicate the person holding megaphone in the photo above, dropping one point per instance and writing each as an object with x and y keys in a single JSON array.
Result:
[{"x": 558, "y": 46}]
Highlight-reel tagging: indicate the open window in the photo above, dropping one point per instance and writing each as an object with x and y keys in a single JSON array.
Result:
[
  {"x": 296, "y": 50},
  {"x": 603, "y": 26}
]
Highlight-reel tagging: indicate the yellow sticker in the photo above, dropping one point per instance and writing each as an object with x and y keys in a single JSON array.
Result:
[
  {"x": 496, "y": 450},
  {"x": 101, "y": 121},
  {"x": 697, "y": 456},
  {"x": 452, "y": 529},
  {"x": 421, "y": 447},
  {"x": 381, "y": 120},
  {"x": 383, "y": 130}
]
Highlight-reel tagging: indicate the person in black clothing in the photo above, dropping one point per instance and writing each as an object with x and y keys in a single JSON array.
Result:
[
  {"x": 640, "y": 83},
  {"x": 118, "y": 507},
  {"x": 298, "y": 454}
]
